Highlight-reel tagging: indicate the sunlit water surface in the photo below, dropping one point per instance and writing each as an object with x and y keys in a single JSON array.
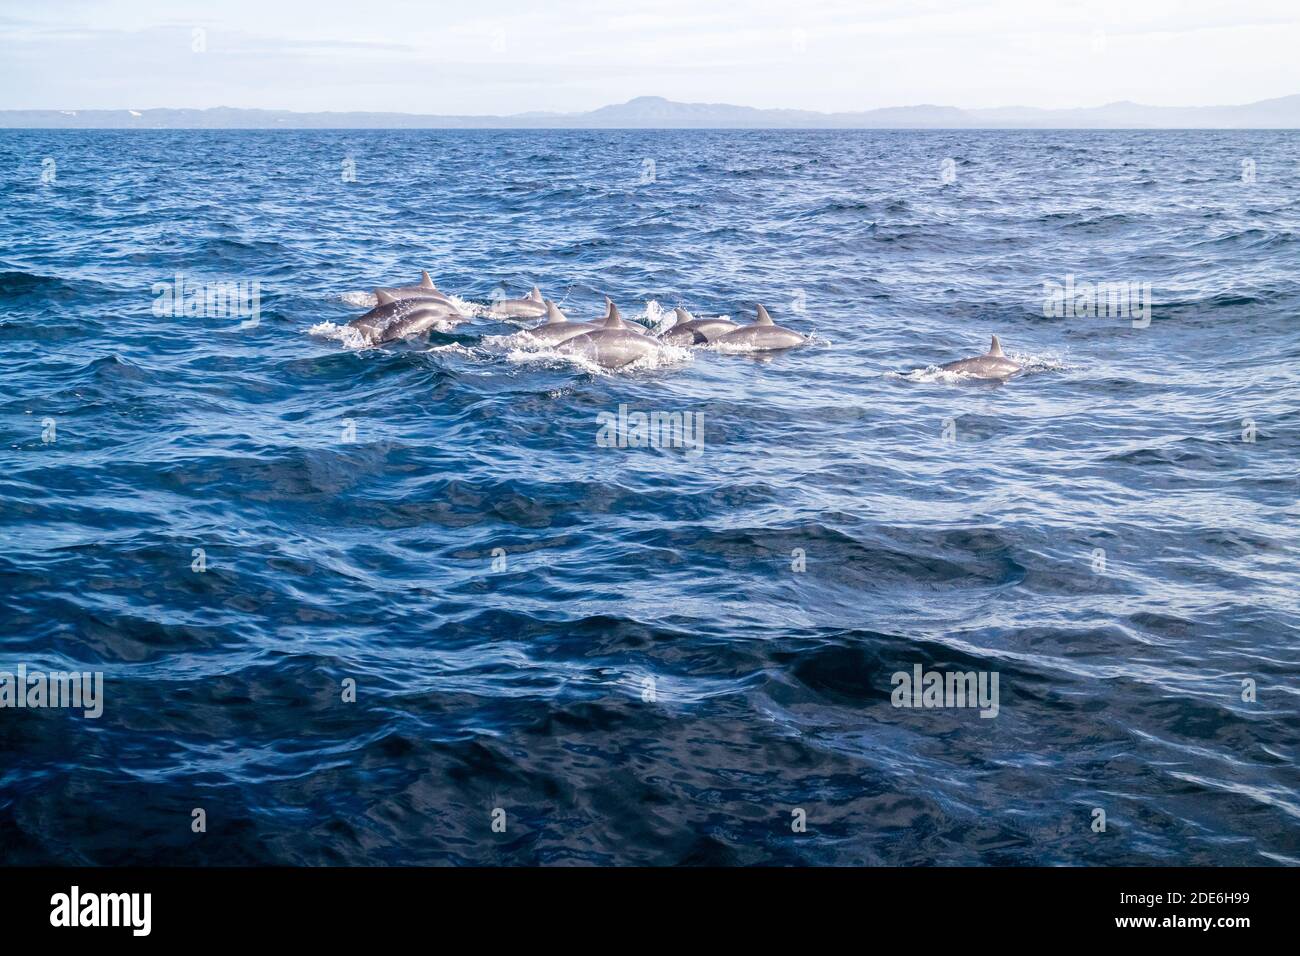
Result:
[{"x": 645, "y": 675}]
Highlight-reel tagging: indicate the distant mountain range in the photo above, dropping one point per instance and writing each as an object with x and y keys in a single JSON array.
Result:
[{"x": 655, "y": 112}]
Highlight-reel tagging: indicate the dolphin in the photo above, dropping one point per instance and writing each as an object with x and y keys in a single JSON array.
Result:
[
  {"x": 692, "y": 331},
  {"x": 384, "y": 296},
  {"x": 425, "y": 290},
  {"x": 636, "y": 327},
  {"x": 763, "y": 335},
  {"x": 992, "y": 364},
  {"x": 396, "y": 320},
  {"x": 527, "y": 308},
  {"x": 614, "y": 344},
  {"x": 557, "y": 328}
]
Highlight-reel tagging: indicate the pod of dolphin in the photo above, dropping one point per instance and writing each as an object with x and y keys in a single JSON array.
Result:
[{"x": 609, "y": 341}]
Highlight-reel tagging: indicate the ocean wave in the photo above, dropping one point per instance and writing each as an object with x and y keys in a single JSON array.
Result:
[
  {"x": 636, "y": 644},
  {"x": 14, "y": 285}
]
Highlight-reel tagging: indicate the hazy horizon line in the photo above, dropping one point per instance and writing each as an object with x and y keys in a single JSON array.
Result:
[
  {"x": 657, "y": 112},
  {"x": 655, "y": 97}
]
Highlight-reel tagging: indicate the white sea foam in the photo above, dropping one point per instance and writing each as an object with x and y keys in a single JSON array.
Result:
[
  {"x": 668, "y": 356},
  {"x": 657, "y": 318},
  {"x": 348, "y": 336},
  {"x": 1033, "y": 363},
  {"x": 468, "y": 308},
  {"x": 456, "y": 348},
  {"x": 548, "y": 357},
  {"x": 502, "y": 343},
  {"x": 931, "y": 373}
]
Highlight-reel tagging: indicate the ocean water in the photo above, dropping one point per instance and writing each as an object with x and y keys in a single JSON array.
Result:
[{"x": 652, "y": 655}]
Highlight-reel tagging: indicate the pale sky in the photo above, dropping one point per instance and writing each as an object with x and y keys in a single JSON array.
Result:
[{"x": 511, "y": 56}]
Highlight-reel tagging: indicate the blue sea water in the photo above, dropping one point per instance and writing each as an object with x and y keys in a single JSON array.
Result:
[{"x": 648, "y": 655}]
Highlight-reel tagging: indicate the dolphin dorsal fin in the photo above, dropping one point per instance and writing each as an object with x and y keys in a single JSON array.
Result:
[
  {"x": 425, "y": 281},
  {"x": 763, "y": 317},
  {"x": 995, "y": 348},
  {"x": 384, "y": 297},
  {"x": 553, "y": 314},
  {"x": 536, "y": 294},
  {"x": 613, "y": 320},
  {"x": 683, "y": 316}
]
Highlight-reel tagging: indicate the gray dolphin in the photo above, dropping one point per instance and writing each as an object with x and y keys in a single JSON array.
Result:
[
  {"x": 557, "y": 327},
  {"x": 692, "y": 331},
  {"x": 614, "y": 344},
  {"x": 636, "y": 327},
  {"x": 527, "y": 308},
  {"x": 425, "y": 290},
  {"x": 992, "y": 364},
  {"x": 763, "y": 335},
  {"x": 396, "y": 320}
]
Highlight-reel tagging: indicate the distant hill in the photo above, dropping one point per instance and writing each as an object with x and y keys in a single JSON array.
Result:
[{"x": 655, "y": 112}]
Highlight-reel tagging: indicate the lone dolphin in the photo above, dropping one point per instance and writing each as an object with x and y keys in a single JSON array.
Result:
[
  {"x": 614, "y": 344},
  {"x": 992, "y": 364},
  {"x": 692, "y": 331},
  {"x": 763, "y": 335},
  {"x": 527, "y": 308},
  {"x": 557, "y": 328},
  {"x": 396, "y": 320},
  {"x": 425, "y": 290}
]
